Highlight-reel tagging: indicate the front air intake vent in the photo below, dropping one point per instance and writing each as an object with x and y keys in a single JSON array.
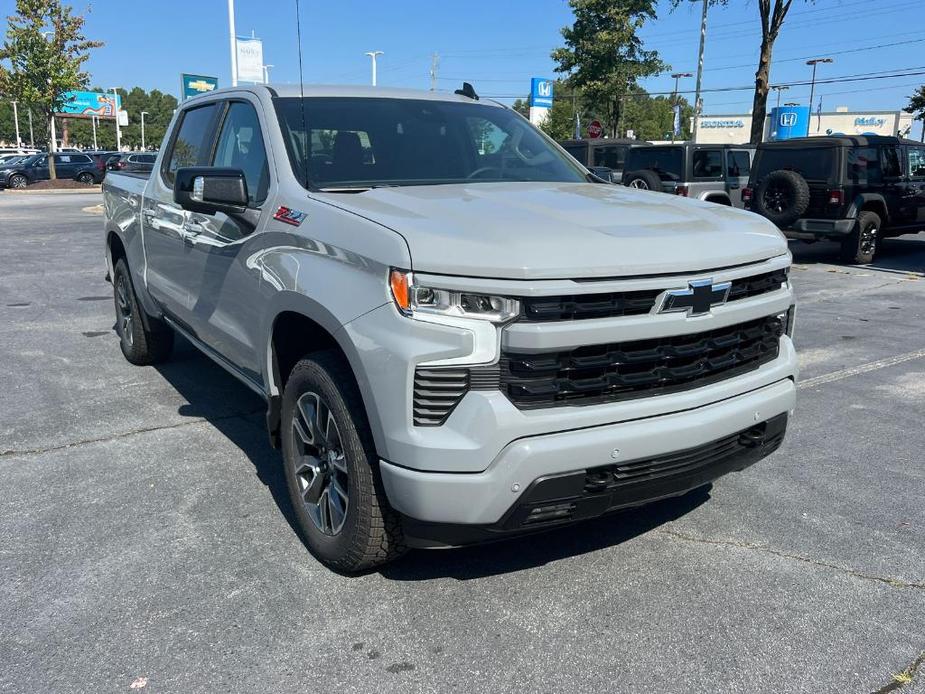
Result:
[{"x": 436, "y": 393}]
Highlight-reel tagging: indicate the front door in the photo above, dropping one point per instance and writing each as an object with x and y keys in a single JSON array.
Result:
[
  {"x": 738, "y": 167},
  {"x": 223, "y": 308}
]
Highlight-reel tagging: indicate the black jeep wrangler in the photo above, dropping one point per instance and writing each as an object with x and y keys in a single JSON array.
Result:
[
  {"x": 853, "y": 189},
  {"x": 602, "y": 156}
]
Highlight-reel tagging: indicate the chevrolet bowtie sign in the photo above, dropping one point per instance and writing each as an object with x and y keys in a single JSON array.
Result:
[
  {"x": 697, "y": 300},
  {"x": 194, "y": 85}
]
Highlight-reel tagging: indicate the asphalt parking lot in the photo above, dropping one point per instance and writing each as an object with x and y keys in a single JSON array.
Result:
[{"x": 145, "y": 534}]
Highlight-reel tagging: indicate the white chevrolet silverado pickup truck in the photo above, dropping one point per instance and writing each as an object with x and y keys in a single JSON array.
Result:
[{"x": 460, "y": 333}]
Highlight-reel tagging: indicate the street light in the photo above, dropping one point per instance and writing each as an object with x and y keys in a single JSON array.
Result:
[
  {"x": 374, "y": 55},
  {"x": 812, "y": 89},
  {"x": 93, "y": 122},
  {"x": 233, "y": 42},
  {"x": 677, "y": 102},
  {"x": 115, "y": 110},
  {"x": 266, "y": 73},
  {"x": 16, "y": 120},
  {"x": 703, "y": 40},
  {"x": 780, "y": 88},
  {"x": 143, "y": 114}
]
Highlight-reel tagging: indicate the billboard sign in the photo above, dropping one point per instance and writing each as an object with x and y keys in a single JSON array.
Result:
[
  {"x": 789, "y": 121},
  {"x": 87, "y": 104},
  {"x": 250, "y": 60},
  {"x": 541, "y": 92},
  {"x": 194, "y": 85}
]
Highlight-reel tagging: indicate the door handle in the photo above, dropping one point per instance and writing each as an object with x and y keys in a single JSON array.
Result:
[{"x": 193, "y": 228}]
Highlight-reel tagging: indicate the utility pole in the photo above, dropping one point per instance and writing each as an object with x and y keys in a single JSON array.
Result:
[
  {"x": 31, "y": 136},
  {"x": 143, "y": 114},
  {"x": 115, "y": 110},
  {"x": 16, "y": 120},
  {"x": 812, "y": 88},
  {"x": 93, "y": 121},
  {"x": 577, "y": 116},
  {"x": 234, "y": 47},
  {"x": 434, "y": 62},
  {"x": 698, "y": 106},
  {"x": 374, "y": 55},
  {"x": 677, "y": 101},
  {"x": 779, "y": 88},
  {"x": 266, "y": 73}
]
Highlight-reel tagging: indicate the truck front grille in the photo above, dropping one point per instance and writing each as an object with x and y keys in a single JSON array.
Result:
[
  {"x": 642, "y": 368},
  {"x": 614, "y": 304}
]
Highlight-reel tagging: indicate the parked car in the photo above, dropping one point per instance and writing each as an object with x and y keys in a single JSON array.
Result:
[
  {"x": 455, "y": 342},
  {"x": 79, "y": 167},
  {"x": 856, "y": 190},
  {"x": 602, "y": 156},
  {"x": 132, "y": 162},
  {"x": 715, "y": 173},
  {"x": 100, "y": 157},
  {"x": 11, "y": 159}
]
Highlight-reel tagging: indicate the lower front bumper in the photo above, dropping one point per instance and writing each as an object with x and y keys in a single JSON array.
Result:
[{"x": 524, "y": 468}]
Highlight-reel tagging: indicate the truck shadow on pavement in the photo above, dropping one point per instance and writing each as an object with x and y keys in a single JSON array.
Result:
[
  {"x": 238, "y": 414},
  {"x": 902, "y": 255}
]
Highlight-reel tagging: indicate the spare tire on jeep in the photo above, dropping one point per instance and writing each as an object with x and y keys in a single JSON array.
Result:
[
  {"x": 782, "y": 197},
  {"x": 644, "y": 179}
]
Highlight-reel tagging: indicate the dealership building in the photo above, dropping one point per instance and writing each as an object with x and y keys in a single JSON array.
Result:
[{"x": 796, "y": 121}]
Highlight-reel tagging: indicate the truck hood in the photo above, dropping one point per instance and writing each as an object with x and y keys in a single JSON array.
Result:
[{"x": 563, "y": 230}]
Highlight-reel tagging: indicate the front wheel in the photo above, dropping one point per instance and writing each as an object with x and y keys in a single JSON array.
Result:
[
  {"x": 18, "y": 181},
  {"x": 332, "y": 470},
  {"x": 860, "y": 246}
]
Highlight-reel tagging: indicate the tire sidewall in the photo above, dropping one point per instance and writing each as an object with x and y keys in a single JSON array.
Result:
[
  {"x": 310, "y": 375},
  {"x": 121, "y": 274},
  {"x": 852, "y": 251},
  {"x": 16, "y": 178},
  {"x": 85, "y": 178},
  {"x": 797, "y": 191}
]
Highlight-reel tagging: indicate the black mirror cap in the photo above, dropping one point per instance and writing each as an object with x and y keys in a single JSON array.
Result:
[{"x": 218, "y": 190}]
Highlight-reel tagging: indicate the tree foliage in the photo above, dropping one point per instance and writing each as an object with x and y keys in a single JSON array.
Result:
[
  {"x": 37, "y": 71},
  {"x": 603, "y": 56},
  {"x": 917, "y": 107}
]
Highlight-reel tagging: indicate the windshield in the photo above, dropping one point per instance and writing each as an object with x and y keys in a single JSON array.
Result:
[
  {"x": 359, "y": 143},
  {"x": 813, "y": 164}
]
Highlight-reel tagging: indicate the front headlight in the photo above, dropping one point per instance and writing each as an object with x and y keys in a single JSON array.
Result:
[{"x": 412, "y": 299}]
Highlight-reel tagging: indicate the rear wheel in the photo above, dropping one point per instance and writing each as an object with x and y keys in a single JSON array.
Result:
[
  {"x": 86, "y": 178},
  {"x": 332, "y": 470},
  {"x": 140, "y": 345},
  {"x": 860, "y": 246},
  {"x": 18, "y": 181}
]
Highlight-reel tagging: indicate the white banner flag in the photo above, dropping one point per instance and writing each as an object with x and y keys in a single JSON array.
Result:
[{"x": 250, "y": 60}]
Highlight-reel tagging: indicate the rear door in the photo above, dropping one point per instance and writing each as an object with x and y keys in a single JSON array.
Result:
[
  {"x": 167, "y": 227},
  {"x": 738, "y": 168},
  {"x": 65, "y": 166}
]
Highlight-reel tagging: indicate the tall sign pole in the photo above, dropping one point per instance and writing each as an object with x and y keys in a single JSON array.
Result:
[
  {"x": 115, "y": 111},
  {"x": 697, "y": 103},
  {"x": 232, "y": 37},
  {"x": 16, "y": 120}
]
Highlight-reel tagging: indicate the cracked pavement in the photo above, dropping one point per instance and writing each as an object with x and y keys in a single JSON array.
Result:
[{"x": 145, "y": 531}]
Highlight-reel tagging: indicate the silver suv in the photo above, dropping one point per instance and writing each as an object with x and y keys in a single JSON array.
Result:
[
  {"x": 714, "y": 173},
  {"x": 459, "y": 333}
]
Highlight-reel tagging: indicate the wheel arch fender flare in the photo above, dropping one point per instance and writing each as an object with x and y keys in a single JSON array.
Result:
[
  {"x": 284, "y": 302},
  {"x": 872, "y": 201}
]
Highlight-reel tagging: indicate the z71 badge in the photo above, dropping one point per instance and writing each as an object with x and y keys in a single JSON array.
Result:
[{"x": 289, "y": 216}]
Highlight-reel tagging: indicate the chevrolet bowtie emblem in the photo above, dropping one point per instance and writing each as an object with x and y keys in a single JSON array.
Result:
[{"x": 697, "y": 300}]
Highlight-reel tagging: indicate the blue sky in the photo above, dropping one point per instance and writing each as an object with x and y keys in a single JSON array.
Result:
[{"x": 498, "y": 45}]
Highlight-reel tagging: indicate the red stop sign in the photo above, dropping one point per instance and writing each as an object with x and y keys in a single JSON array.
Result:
[{"x": 595, "y": 129}]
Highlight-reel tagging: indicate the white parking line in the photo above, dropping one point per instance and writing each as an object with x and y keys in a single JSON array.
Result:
[{"x": 860, "y": 369}]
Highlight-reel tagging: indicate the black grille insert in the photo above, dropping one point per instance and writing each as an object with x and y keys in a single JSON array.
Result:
[
  {"x": 436, "y": 393},
  {"x": 614, "y": 304},
  {"x": 625, "y": 370}
]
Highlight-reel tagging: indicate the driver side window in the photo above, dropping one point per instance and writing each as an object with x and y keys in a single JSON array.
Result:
[{"x": 240, "y": 146}]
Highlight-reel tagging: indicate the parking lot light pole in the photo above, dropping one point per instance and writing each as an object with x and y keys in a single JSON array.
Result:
[
  {"x": 31, "y": 136},
  {"x": 266, "y": 73},
  {"x": 677, "y": 101},
  {"x": 115, "y": 110},
  {"x": 703, "y": 39},
  {"x": 143, "y": 114},
  {"x": 233, "y": 42},
  {"x": 374, "y": 55},
  {"x": 812, "y": 89},
  {"x": 779, "y": 88},
  {"x": 16, "y": 120},
  {"x": 93, "y": 122}
]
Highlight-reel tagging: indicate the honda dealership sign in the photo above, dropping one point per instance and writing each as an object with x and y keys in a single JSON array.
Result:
[
  {"x": 788, "y": 121},
  {"x": 540, "y": 99},
  {"x": 250, "y": 60}
]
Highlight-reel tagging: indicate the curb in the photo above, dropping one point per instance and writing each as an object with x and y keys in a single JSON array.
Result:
[{"x": 61, "y": 191}]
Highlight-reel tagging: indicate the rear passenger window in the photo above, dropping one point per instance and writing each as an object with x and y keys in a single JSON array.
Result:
[
  {"x": 890, "y": 162},
  {"x": 917, "y": 162},
  {"x": 864, "y": 166},
  {"x": 611, "y": 157},
  {"x": 240, "y": 146},
  {"x": 666, "y": 162},
  {"x": 191, "y": 145},
  {"x": 708, "y": 163}
]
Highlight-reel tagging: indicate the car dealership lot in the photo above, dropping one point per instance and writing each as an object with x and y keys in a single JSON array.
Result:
[{"x": 145, "y": 530}]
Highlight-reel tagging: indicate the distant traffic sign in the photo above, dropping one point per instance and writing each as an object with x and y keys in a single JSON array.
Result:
[{"x": 595, "y": 129}]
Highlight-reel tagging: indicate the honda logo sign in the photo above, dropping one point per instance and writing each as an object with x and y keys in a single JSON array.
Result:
[{"x": 788, "y": 120}]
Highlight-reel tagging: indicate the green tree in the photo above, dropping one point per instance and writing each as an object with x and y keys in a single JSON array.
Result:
[
  {"x": 38, "y": 71},
  {"x": 652, "y": 118},
  {"x": 560, "y": 123},
  {"x": 522, "y": 107},
  {"x": 603, "y": 56},
  {"x": 917, "y": 107},
  {"x": 772, "y": 14}
]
